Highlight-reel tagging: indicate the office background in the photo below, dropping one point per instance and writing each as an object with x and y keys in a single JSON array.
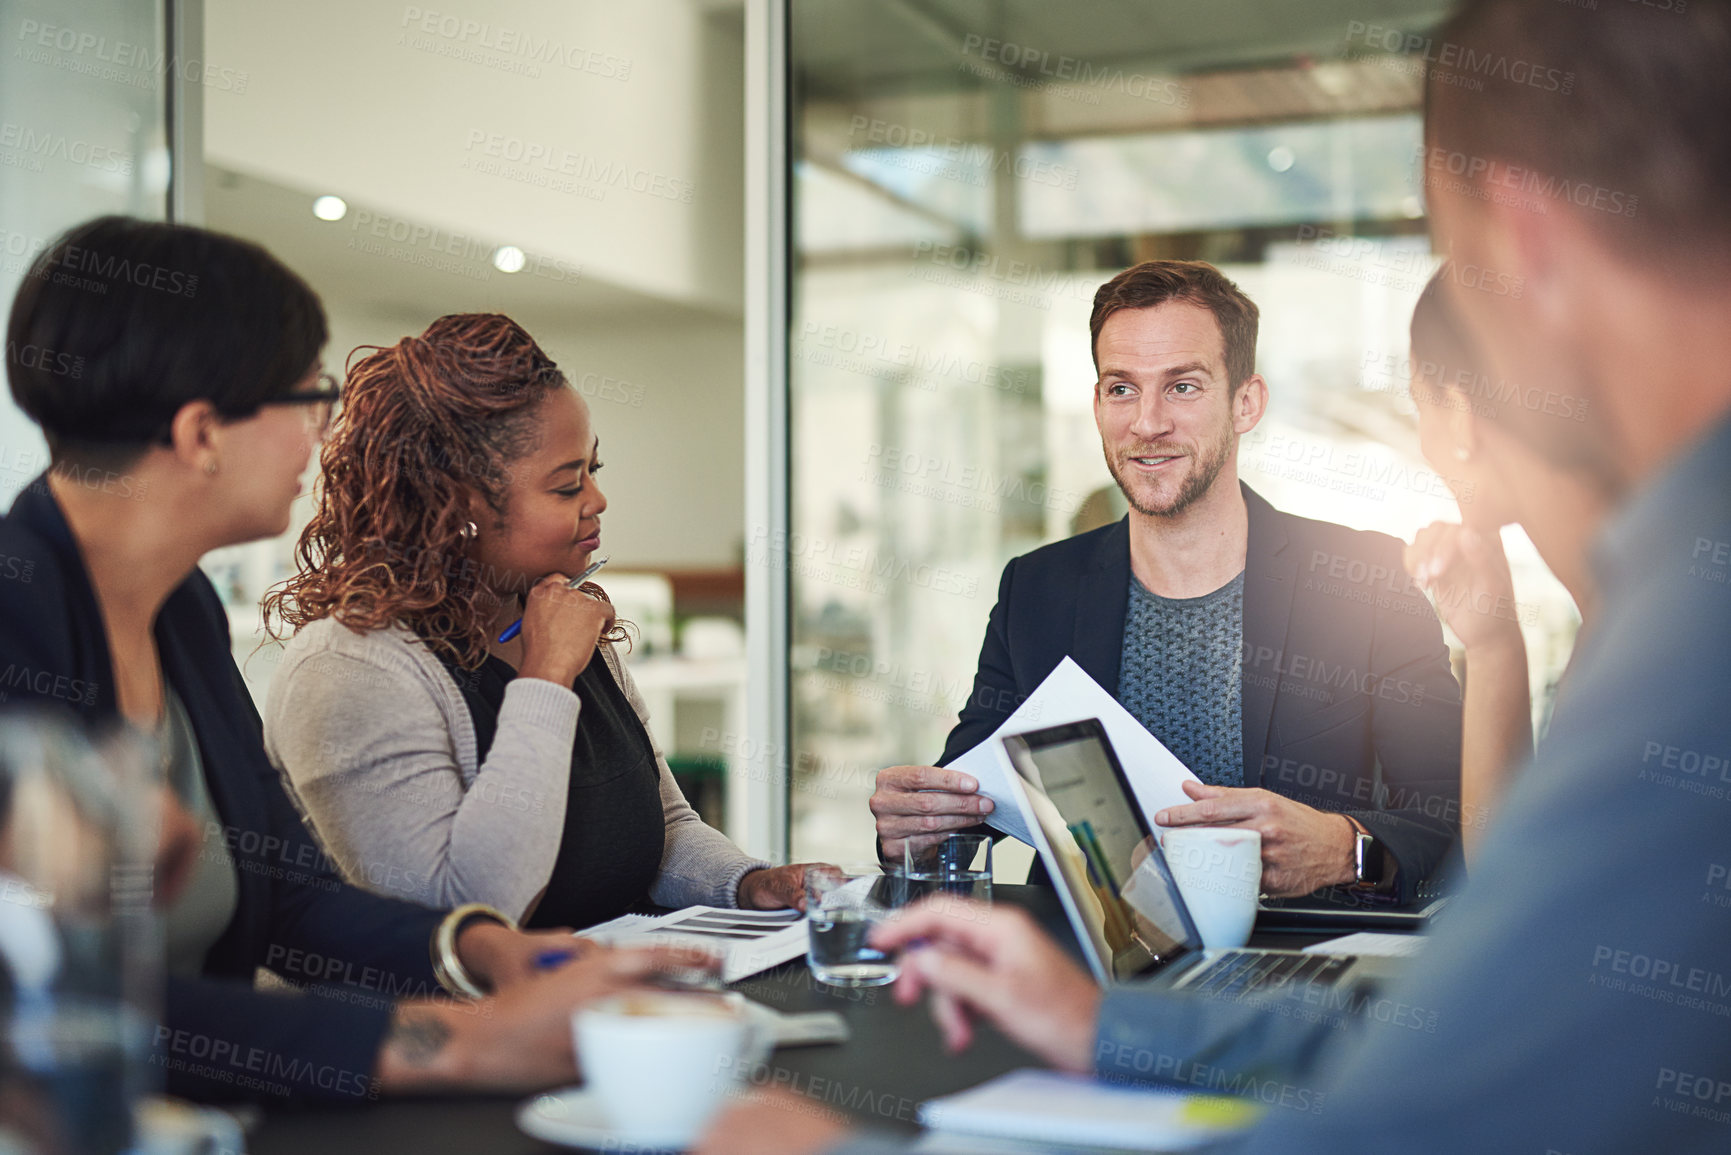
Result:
[{"x": 930, "y": 190}]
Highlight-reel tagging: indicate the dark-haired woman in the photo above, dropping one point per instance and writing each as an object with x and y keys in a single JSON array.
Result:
[
  {"x": 1498, "y": 480},
  {"x": 458, "y": 493},
  {"x": 194, "y": 408}
]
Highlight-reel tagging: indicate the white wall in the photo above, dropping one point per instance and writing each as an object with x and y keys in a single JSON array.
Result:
[
  {"x": 431, "y": 112},
  {"x": 356, "y": 98},
  {"x": 666, "y": 403}
]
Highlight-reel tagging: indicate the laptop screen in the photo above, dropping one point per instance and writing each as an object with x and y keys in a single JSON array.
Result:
[{"x": 1100, "y": 839}]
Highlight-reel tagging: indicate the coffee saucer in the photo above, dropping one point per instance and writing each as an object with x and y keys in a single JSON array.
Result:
[{"x": 573, "y": 1118}]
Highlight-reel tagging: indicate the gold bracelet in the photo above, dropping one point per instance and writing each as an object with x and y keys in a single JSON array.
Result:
[{"x": 448, "y": 966}]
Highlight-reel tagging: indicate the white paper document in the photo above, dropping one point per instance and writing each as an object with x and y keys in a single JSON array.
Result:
[
  {"x": 1069, "y": 695},
  {"x": 1070, "y": 1110},
  {"x": 747, "y": 941},
  {"x": 1369, "y": 944}
]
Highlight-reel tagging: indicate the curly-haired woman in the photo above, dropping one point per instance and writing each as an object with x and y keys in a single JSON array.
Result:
[{"x": 458, "y": 493}]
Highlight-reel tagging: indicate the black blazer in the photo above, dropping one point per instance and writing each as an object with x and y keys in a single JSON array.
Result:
[
  {"x": 1349, "y": 703},
  {"x": 219, "y": 1038}
]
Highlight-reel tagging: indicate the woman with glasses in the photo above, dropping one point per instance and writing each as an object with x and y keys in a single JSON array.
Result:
[
  {"x": 459, "y": 494},
  {"x": 174, "y": 374}
]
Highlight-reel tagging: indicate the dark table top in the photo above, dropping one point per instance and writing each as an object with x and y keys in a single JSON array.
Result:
[{"x": 894, "y": 1061}]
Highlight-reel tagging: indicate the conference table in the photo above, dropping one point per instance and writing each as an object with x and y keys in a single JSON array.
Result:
[{"x": 894, "y": 1061}]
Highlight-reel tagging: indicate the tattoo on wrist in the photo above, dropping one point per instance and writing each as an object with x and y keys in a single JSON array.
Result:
[{"x": 418, "y": 1038}]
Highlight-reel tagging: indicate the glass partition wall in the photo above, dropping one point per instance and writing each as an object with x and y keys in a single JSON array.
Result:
[
  {"x": 84, "y": 89},
  {"x": 965, "y": 174}
]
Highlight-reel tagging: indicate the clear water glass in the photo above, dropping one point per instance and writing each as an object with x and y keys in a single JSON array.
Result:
[
  {"x": 842, "y": 906},
  {"x": 959, "y": 865}
]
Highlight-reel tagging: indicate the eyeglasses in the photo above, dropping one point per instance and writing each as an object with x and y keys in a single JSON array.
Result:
[{"x": 321, "y": 403}]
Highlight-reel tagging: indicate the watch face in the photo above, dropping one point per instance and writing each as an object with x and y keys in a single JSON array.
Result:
[{"x": 1362, "y": 854}]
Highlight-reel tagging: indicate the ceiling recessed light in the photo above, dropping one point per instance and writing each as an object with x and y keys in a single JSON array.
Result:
[
  {"x": 329, "y": 208},
  {"x": 1280, "y": 158},
  {"x": 509, "y": 259}
]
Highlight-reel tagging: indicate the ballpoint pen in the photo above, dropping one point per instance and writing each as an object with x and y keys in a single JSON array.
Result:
[{"x": 516, "y": 627}]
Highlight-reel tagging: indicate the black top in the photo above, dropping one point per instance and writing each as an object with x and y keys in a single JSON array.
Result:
[
  {"x": 615, "y": 833},
  {"x": 1348, "y": 701},
  {"x": 220, "y": 1038}
]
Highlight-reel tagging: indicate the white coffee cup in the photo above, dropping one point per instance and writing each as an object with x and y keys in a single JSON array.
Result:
[
  {"x": 661, "y": 1063},
  {"x": 1219, "y": 873}
]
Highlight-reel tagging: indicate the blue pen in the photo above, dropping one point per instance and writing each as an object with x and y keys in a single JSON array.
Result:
[{"x": 516, "y": 627}]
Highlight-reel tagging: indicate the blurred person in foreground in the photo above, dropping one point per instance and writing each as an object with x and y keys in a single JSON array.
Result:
[
  {"x": 175, "y": 375},
  {"x": 1578, "y": 989}
]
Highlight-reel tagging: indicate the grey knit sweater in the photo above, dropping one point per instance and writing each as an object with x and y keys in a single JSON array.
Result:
[
  {"x": 1181, "y": 675},
  {"x": 377, "y": 749}
]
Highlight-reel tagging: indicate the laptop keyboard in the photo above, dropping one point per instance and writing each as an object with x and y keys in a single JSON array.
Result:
[{"x": 1241, "y": 971}]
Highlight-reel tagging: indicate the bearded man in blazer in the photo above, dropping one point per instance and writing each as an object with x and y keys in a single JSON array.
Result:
[{"x": 1290, "y": 663}]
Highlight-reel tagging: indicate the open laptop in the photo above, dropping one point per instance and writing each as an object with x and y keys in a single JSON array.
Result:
[{"x": 1116, "y": 888}]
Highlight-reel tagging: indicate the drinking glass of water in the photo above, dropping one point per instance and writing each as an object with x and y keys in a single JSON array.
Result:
[
  {"x": 960, "y": 864},
  {"x": 842, "y": 905}
]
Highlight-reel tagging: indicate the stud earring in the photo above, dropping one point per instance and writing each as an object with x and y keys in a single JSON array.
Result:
[
  {"x": 1462, "y": 453},
  {"x": 211, "y": 468},
  {"x": 470, "y": 531}
]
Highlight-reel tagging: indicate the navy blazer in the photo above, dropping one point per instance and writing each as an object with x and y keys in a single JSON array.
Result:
[
  {"x": 219, "y": 1038},
  {"x": 1348, "y": 701}
]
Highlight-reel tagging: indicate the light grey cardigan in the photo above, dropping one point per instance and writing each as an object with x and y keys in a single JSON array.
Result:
[{"x": 377, "y": 748}]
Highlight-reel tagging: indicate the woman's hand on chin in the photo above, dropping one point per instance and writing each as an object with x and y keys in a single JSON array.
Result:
[{"x": 774, "y": 888}]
